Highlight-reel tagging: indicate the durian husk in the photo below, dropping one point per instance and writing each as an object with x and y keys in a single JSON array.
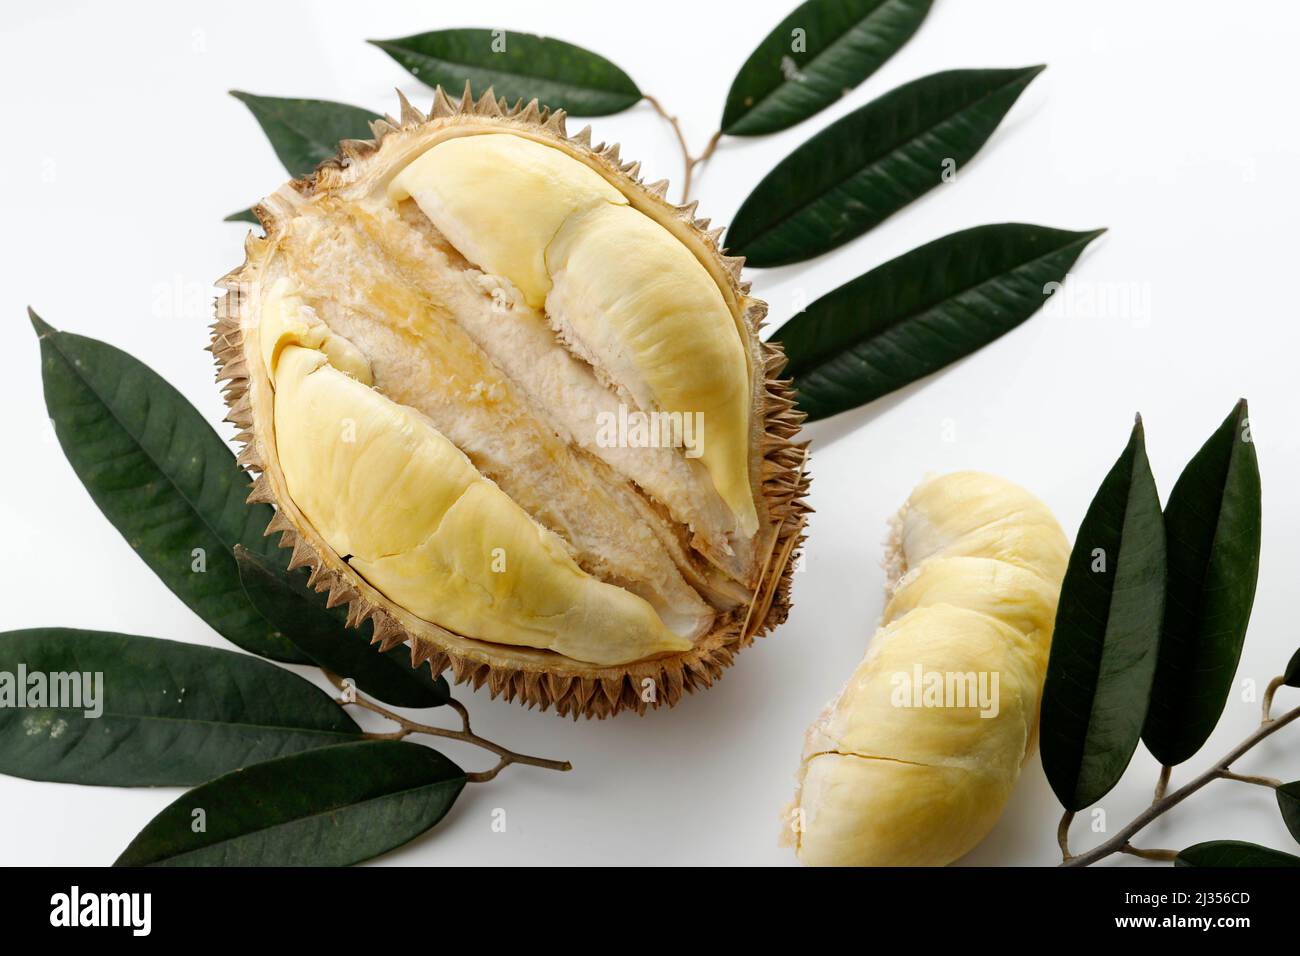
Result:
[{"x": 535, "y": 678}]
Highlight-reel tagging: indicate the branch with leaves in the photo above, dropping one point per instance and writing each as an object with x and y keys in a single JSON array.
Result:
[{"x": 1153, "y": 615}]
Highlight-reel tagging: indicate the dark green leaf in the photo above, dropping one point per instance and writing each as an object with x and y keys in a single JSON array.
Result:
[
  {"x": 517, "y": 66},
  {"x": 922, "y": 311},
  {"x": 873, "y": 162},
  {"x": 1288, "y": 801},
  {"x": 244, "y": 215},
  {"x": 1107, "y": 631},
  {"x": 323, "y": 635},
  {"x": 329, "y": 807},
  {"x": 163, "y": 477},
  {"x": 170, "y": 714},
  {"x": 305, "y": 132},
  {"x": 1224, "y": 853},
  {"x": 813, "y": 57},
  {"x": 1212, "y": 525},
  {"x": 1291, "y": 677}
]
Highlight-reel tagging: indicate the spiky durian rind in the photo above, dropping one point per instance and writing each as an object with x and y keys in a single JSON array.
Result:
[{"x": 535, "y": 678}]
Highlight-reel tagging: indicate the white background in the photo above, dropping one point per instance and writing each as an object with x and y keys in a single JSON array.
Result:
[{"x": 1173, "y": 123}]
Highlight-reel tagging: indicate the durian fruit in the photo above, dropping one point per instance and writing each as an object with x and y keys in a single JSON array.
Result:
[
  {"x": 913, "y": 762},
  {"x": 511, "y": 405}
]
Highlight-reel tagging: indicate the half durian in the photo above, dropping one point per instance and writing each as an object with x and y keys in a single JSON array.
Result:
[{"x": 511, "y": 405}]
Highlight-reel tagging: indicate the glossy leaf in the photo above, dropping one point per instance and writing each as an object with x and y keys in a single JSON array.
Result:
[
  {"x": 1291, "y": 676},
  {"x": 168, "y": 714},
  {"x": 163, "y": 477},
  {"x": 1212, "y": 525},
  {"x": 1107, "y": 630},
  {"x": 1233, "y": 853},
  {"x": 813, "y": 57},
  {"x": 305, "y": 132},
  {"x": 517, "y": 66},
  {"x": 1288, "y": 801},
  {"x": 323, "y": 635},
  {"x": 863, "y": 168},
  {"x": 329, "y": 807},
  {"x": 922, "y": 311},
  {"x": 244, "y": 215}
]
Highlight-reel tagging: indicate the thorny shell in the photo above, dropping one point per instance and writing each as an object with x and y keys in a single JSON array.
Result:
[{"x": 545, "y": 678}]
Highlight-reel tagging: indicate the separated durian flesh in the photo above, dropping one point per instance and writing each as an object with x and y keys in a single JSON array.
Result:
[
  {"x": 512, "y": 405},
  {"x": 913, "y": 762}
]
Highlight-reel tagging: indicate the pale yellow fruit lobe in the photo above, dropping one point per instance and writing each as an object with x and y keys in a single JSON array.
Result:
[
  {"x": 635, "y": 299},
  {"x": 416, "y": 519},
  {"x": 619, "y": 288},
  {"x": 913, "y": 762},
  {"x": 499, "y": 199}
]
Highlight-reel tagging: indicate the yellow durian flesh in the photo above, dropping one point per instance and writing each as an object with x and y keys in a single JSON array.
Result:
[
  {"x": 413, "y": 517},
  {"x": 621, "y": 289},
  {"x": 499, "y": 199},
  {"x": 914, "y": 761}
]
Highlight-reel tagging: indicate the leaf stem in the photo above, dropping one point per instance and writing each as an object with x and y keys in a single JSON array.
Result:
[
  {"x": 465, "y": 734},
  {"x": 1120, "y": 840},
  {"x": 1162, "y": 784},
  {"x": 690, "y": 162},
  {"x": 1271, "y": 782},
  {"x": 1063, "y": 835},
  {"x": 1132, "y": 850},
  {"x": 1273, "y": 685}
]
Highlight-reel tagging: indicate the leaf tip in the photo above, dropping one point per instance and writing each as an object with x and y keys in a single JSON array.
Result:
[{"x": 42, "y": 327}]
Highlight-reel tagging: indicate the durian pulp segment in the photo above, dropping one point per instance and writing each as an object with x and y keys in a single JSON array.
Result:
[
  {"x": 887, "y": 780},
  {"x": 621, "y": 291},
  {"x": 414, "y": 516}
]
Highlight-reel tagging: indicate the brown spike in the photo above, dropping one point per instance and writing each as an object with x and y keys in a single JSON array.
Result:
[
  {"x": 556, "y": 123},
  {"x": 279, "y": 522},
  {"x": 358, "y": 610},
  {"x": 303, "y": 555},
  {"x": 466, "y": 104},
  {"x": 584, "y": 139},
  {"x": 442, "y": 106},
  {"x": 261, "y": 492},
  {"x": 487, "y": 104},
  {"x": 410, "y": 115}
]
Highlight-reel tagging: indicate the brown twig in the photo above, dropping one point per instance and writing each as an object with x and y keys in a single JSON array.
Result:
[
  {"x": 464, "y": 734},
  {"x": 1219, "y": 771},
  {"x": 690, "y": 162}
]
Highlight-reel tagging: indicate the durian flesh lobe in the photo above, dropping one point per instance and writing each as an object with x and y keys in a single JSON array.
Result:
[
  {"x": 891, "y": 777},
  {"x": 435, "y": 339}
]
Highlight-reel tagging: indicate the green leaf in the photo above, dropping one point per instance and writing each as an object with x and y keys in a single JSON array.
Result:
[
  {"x": 813, "y": 57},
  {"x": 323, "y": 635},
  {"x": 517, "y": 66},
  {"x": 163, "y": 477},
  {"x": 922, "y": 311},
  {"x": 1223, "y": 853},
  {"x": 244, "y": 215},
  {"x": 1107, "y": 631},
  {"x": 303, "y": 133},
  {"x": 169, "y": 714},
  {"x": 1212, "y": 524},
  {"x": 863, "y": 168},
  {"x": 1288, "y": 801},
  {"x": 329, "y": 807},
  {"x": 1291, "y": 676}
]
